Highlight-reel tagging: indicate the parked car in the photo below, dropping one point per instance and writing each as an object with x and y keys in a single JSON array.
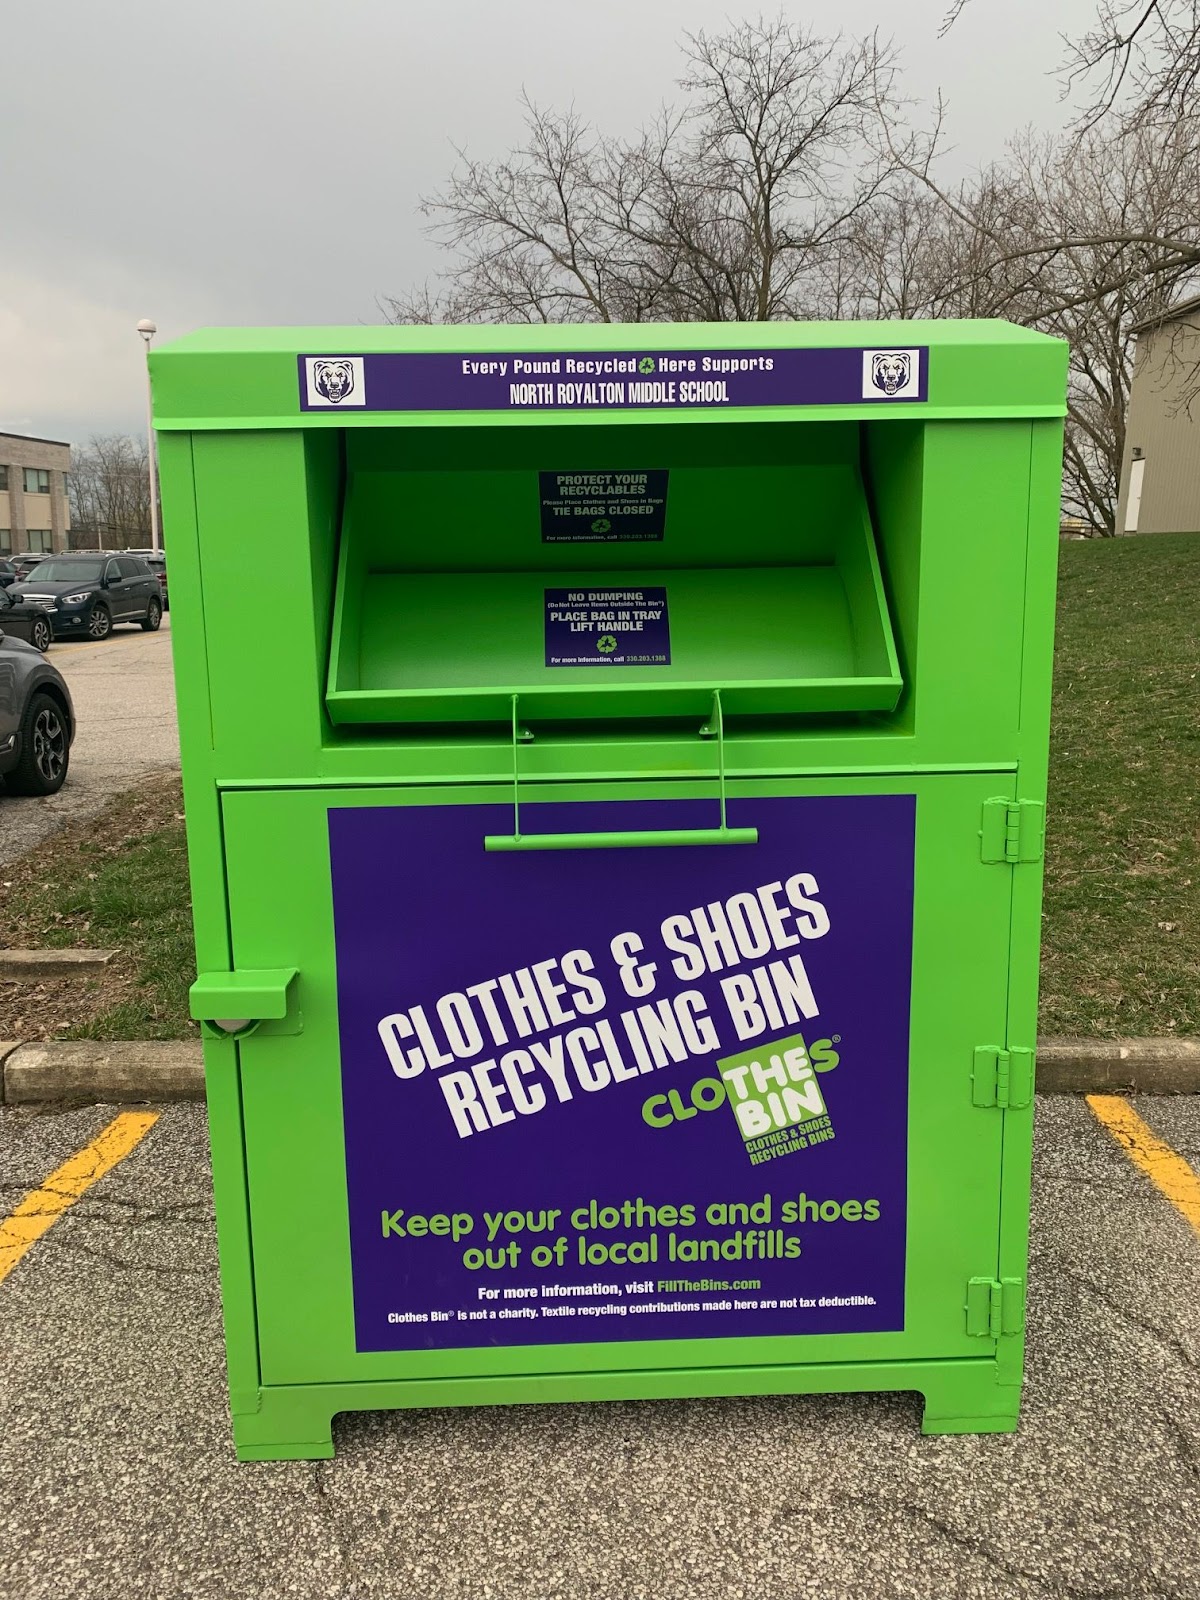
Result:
[
  {"x": 156, "y": 560},
  {"x": 25, "y": 560},
  {"x": 37, "y": 720},
  {"x": 22, "y": 621},
  {"x": 8, "y": 572},
  {"x": 89, "y": 594}
]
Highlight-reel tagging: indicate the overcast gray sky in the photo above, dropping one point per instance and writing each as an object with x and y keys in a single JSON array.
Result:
[{"x": 260, "y": 161}]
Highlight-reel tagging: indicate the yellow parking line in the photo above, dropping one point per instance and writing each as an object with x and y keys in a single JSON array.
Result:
[
  {"x": 41, "y": 1209},
  {"x": 1168, "y": 1172}
]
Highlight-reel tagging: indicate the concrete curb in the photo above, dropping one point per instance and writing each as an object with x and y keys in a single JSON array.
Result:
[
  {"x": 117, "y": 1073},
  {"x": 111, "y": 1074},
  {"x": 1118, "y": 1066},
  {"x": 21, "y": 966}
]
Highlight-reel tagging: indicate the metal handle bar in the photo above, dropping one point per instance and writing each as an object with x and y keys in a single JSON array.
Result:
[{"x": 626, "y": 839}]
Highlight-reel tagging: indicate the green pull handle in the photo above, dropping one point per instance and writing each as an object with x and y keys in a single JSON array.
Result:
[
  {"x": 625, "y": 839},
  {"x": 618, "y": 841},
  {"x": 234, "y": 1003}
]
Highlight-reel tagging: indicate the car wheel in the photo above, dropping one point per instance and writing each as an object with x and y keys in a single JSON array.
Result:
[
  {"x": 153, "y": 616},
  {"x": 39, "y": 635},
  {"x": 100, "y": 622},
  {"x": 45, "y": 749}
]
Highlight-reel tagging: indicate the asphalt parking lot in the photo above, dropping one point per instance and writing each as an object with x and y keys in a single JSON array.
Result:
[
  {"x": 124, "y": 694},
  {"x": 117, "y": 1474}
]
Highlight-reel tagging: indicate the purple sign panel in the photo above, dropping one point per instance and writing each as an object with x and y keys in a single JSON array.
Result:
[
  {"x": 612, "y": 380},
  {"x": 607, "y": 628},
  {"x": 618, "y": 1094}
]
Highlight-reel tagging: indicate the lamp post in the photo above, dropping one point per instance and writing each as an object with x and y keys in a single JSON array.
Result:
[{"x": 148, "y": 329}]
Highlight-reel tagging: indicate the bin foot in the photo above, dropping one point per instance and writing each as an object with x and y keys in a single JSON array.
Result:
[
  {"x": 937, "y": 1424},
  {"x": 286, "y": 1427},
  {"x": 978, "y": 1405},
  {"x": 288, "y": 1450}
]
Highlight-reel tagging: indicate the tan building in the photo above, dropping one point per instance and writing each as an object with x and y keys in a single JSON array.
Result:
[
  {"x": 1160, "y": 475},
  {"x": 33, "y": 494}
]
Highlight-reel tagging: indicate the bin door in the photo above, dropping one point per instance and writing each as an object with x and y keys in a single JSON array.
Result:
[{"x": 604, "y": 1109}]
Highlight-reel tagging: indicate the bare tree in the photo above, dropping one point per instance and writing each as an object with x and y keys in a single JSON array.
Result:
[
  {"x": 1100, "y": 195},
  {"x": 1089, "y": 235},
  {"x": 1140, "y": 62},
  {"x": 1126, "y": 184},
  {"x": 1141, "y": 59},
  {"x": 718, "y": 211},
  {"x": 110, "y": 492}
]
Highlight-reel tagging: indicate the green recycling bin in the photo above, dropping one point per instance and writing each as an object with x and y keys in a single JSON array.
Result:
[{"x": 615, "y": 766}]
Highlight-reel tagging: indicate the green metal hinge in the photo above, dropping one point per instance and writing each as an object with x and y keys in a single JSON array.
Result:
[
  {"x": 1012, "y": 831},
  {"x": 995, "y": 1306},
  {"x": 1001, "y": 1077}
]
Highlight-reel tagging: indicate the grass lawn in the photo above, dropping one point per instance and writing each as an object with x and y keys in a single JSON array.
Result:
[
  {"x": 1122, "y": 921},
  {"x": 120, "y": 880},
  {"x": 1121, "y": 941}
]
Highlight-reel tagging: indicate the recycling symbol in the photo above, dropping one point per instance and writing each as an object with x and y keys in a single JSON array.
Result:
[
  {"x": 646, "y": 364},
  {"x": 601, "y": 525},
  {"x": 606, "y": 644}
]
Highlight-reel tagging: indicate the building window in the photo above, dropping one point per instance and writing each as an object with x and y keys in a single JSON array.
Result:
[
  {"x": 37, "y": 480},
  {"x": 3, "y": 477},
  {"x": 39, "y": 540},
  {"x": 5, "y": 541}
]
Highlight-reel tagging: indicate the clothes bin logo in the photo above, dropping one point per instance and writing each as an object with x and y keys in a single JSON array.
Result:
[
  {"x": 773, "y": 1093},
  {"x": 335, "y": 381},
  {"x": 891, "y": 374}
]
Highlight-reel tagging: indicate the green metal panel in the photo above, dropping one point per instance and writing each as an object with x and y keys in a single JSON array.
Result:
[
  {"x": 292, "y": 1096},
  {"x": 1037, "y": 654}
]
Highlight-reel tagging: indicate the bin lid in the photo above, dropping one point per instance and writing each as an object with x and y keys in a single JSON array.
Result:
[{"x": 500, "y": 374}]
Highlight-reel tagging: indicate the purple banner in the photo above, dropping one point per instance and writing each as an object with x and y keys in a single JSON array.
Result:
[
  {"x": 622, "y": 1094},
  {"x": 607, "y": 628},
  {"x": 605, "y": 380}
]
